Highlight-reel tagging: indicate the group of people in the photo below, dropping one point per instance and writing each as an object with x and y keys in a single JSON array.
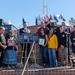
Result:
[
  {"x": 8, "y": 56},
  {"x": 8, "y": 47},
  {"x": 58, "y": 46},
  {"x": 53, "y": 44}
]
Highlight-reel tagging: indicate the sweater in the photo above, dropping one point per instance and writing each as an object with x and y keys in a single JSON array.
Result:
[{"x": 53, "y": 42}]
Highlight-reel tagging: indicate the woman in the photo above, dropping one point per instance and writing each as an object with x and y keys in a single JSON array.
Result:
[
  {"x": 52, "y": 47},
  {"x": 43, "y": 47},
  {"x": 10, "y": 56}
]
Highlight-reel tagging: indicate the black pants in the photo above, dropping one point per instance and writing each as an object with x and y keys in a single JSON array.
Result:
[
  {"x": 1, "y": 59},
  {"x": 28, "y": 50}
]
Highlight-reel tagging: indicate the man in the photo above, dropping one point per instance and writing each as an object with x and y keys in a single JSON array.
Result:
[
  {"x": 67, "y": 31},
  {"x": 25, "y": 30},
  {"x": 73, "y": 40},
  {"x": 2, "y": 44},
  {"x": 63, "y": 52},
  {"x": 46, "y": 29}
]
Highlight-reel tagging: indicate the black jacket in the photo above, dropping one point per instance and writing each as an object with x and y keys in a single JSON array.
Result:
[
  {"x": 62, "y": 39},
  {"x": 73, "y": 38}
]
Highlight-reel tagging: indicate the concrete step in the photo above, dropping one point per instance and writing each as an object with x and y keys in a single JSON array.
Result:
[{"x": 42, "y": 71}]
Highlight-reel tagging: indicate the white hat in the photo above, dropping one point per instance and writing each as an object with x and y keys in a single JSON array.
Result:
[{"x": 52, "y": 21}]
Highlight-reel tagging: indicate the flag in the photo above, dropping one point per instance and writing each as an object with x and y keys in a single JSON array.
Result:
[
  {"x": 40, "y": 19},
  {"x": 46, "y": 18},
  {"x": 36, "y": 21},
  {"x": 55, "y": 18},
  {"x": 62, "y": 18},
  {"x": 72, "y": 21},
  {"x": 23, "y": 21},
  {"x": 51, "y": 17},
  {"x": 59, "y": 16}
]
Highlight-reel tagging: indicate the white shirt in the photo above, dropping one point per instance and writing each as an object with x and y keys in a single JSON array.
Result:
[{"x": 26, "y": 30}]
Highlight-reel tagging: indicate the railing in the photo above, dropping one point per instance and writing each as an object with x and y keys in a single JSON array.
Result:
[{"x": 28, "y": 58}]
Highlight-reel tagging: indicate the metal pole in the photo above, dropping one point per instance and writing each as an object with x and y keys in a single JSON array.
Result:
[
  {"x": 28, "y": 58},
  {"x": 45, "y": 9},
  {"x": 43, "y": 5},
  {"x": 22, "y": 54},
  {"x": 35, "y": 55}
]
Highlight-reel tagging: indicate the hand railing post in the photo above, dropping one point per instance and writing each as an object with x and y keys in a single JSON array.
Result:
[{"x": 28, "y": 58}]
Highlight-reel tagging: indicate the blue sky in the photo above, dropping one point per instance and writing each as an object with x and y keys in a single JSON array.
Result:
[{"x": 15, "y": 10}]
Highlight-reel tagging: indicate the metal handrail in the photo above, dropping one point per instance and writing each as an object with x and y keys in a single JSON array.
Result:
[{"x": 28, "y": 58}]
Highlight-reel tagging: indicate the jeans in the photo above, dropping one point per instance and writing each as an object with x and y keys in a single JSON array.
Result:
[
  {"x": 73, "y": 50},
  {"x": 44, "y": 54},
  {"x": 52, "y": 57}
]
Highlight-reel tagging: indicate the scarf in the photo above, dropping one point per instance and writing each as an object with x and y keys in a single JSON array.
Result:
[{"x": 49, "y": 37}]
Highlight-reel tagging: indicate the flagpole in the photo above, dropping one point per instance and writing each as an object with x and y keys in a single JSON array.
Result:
[{"x": 46, "y": 7}]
